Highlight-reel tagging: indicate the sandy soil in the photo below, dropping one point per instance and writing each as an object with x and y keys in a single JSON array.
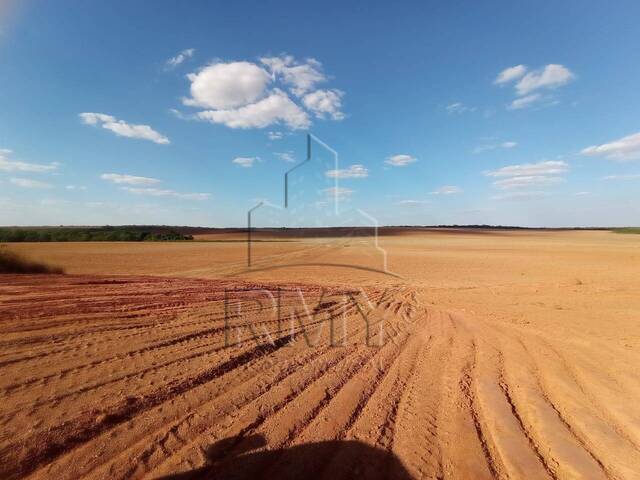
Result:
[{"x": 483, "y": 355}]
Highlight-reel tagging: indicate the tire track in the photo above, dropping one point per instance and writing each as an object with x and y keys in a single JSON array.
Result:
[{"x": 361, "y": 330}]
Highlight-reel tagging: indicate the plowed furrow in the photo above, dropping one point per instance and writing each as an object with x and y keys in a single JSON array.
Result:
[
  {"x": 61, "y": 439},
  {"x": 263, "y": 384}
]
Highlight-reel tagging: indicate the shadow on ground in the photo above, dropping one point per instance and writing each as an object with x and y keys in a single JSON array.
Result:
[{"x": 239, "y": 458}]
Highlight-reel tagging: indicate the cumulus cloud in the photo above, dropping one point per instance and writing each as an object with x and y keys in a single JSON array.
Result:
[
  {"x": 551, "y": 76},
  {"x": 510, "y": 74},
  {"x": 227, "y": 85},
  {"x": 128, "y": 179},
  {"x": 246, "y": 162},
  {"x": 623, "y": 150},
  {"x": 526, "y": 182},
  {"x": 250, "y": 95},
  {"x": 157, "y": 192},
  {"x": 75, "y": 187},
  {"x": 400, "y": 160},
  {"x": 528, "y": 86},
  {"x": 122, "y": 128},
  {"x": 276, "y": 108},
  {"x": 447, "y": 190},
  {"x": 29, "y": 183},
  {"x": 173, "y": 62},
  {"x": 300, "y": 76},
  {"x": 7, "y": 165},
  {"x": 354, "y": 171},
  {"x": 549, "y": 167},
  {"x": 275, "y": 135},
  {"x": 325, "y": 103}
]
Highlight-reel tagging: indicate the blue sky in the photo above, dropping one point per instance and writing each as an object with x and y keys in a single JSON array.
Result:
[{"x": 520, "y": 113}]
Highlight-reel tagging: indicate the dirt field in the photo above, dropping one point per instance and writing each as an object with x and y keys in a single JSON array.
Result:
[{"x": 472, "y": 355}]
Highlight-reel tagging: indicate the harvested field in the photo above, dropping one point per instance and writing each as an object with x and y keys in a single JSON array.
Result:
[{"x": 490, "y": 355}]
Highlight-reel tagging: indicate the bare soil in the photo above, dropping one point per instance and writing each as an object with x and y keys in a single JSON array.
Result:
[{"x": 470, "y": 355}]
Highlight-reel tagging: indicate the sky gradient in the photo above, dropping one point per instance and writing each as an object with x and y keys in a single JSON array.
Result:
[{"x": 188, "y": 113}]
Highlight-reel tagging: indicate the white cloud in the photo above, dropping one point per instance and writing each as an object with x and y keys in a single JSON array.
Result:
[
  {"x": 520, "y": 196},
  {"x": 510, "y": 74},
  {"x": 128, "y": 179},
  {"x": 354, "y": 171},
  {"x": 338, "y": 192},
  {"x": 96, "y": 118},
  {"x": 525, "y": 102},
  {"x": 400, "y": 160},
  {"x": 182, "y": 116},
  {"x": 173, "y": 62},
  {"x": 527, "y": 87},
  {"x": 301, "y": 77},
  {"x": 527, "y": 175},
  {"x": 629, "y": 176},
  {"x": 7, "y": 165},
  {"x": 623, "y": 150},
  {"x": 246, "y": 162},
  {"x": 325, "y": 103},
  {"x": 275, "y": 135},
  {"x": 551, "y": 76},
  {"x": 122, "y": 128},
  {"x": 75, "y": 187},
  {"x": 447, "y": 190},
  {"x": 276, "y": 108},
  {"x": 494, "y": 146},
  {"x": 458, "y": 107},
  {"x": 549, "y": 167},
  {"x": 248, "y": 95},
  {"x": 157, "y": 192},
  {"x": 141, "y": 187},
  {"x": 28, "y": 183},
  {"x": 526, "y": 182},
  {"x": 285, "y": 156},
  {"x": 227, "y": 85}
]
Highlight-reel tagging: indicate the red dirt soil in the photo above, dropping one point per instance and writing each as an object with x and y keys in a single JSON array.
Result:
[{"x": 501, "y": 355}]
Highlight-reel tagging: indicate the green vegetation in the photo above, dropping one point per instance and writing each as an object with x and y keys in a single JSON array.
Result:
[
  {"x": 91, "y": 234},
  {"x": 11, "y": 262},
  {"x": 635, "y": 230}
]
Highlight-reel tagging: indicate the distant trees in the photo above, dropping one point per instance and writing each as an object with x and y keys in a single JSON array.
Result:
[{"x": 91, "y": 234}]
